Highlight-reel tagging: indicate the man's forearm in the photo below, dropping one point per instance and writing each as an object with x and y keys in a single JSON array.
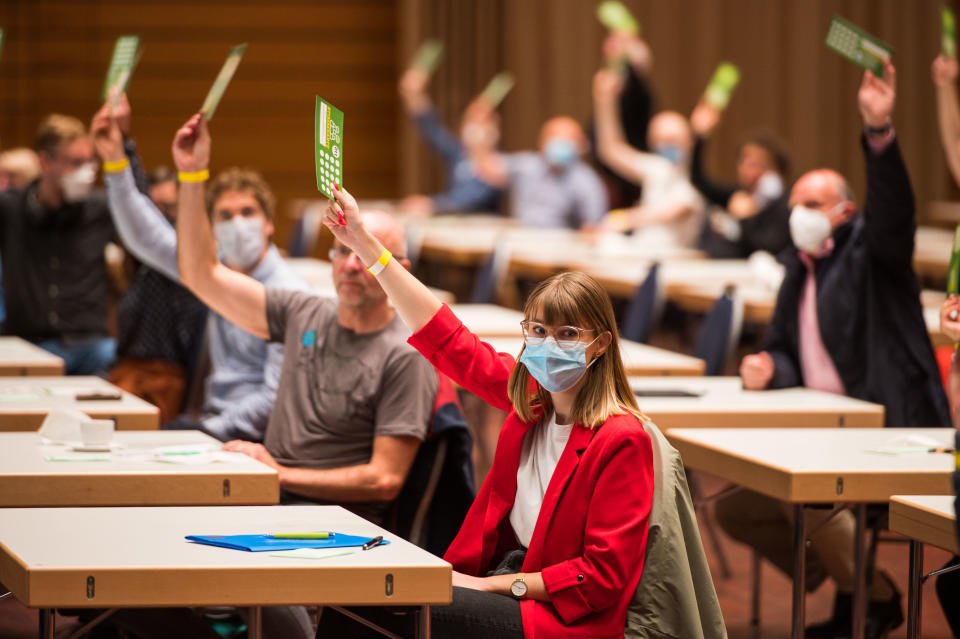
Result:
[
  {"x": 196, "y": 253},
  {"x": 363, "y": 482}
]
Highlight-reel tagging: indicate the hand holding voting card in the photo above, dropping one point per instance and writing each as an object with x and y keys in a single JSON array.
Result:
[
  {"x": 124, "y": 60},
  {"x": 859, "y": 47},
  {"x": 428, "y": 56},
  {"x": 725, "y": 79},
  {"x": 948, "y": 32},
  {"x": 223, "y": 80},
  {"x": 617, "y": 18},
  {"x": 498, "y": 88},
  {"x": 328, "y": 137}
]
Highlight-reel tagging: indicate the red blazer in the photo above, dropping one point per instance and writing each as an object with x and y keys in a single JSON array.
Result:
[{"x": 591, "y": 533}]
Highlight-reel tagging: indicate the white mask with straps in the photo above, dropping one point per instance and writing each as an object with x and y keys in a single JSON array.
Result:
[{"x": 810, "y": 228}]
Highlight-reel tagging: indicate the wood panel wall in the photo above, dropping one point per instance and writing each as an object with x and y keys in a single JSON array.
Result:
[
  {"x": 56, "y": 54},
  {"x": 791, "y": 83}
]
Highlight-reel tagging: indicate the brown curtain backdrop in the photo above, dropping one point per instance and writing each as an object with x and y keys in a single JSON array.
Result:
[
  {"x": 791, "y": 83},
  {"x": 56, "y": 54}
]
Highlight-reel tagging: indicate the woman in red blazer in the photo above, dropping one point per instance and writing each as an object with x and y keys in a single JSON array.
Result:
[{"x": 582, "y": 505}]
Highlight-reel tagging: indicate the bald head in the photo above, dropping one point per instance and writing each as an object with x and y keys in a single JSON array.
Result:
[
  {"x": 669, "y": 128},
  {"x": 827, "y": 191},
  {"x": 563, "y": 127},
  {"x": 385, "y": 228}
]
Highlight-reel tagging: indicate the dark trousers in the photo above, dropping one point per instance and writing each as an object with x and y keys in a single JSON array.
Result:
[
  {"x": 472, "y": 615},
  {"x": 948, "y": 592}
]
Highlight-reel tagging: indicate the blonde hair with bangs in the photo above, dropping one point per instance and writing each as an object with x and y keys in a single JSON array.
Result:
[{"x": 576, "y": 299}]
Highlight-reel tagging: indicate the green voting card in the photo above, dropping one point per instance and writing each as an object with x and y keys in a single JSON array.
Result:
[
  {"x": 858, "y": 46},
  {"x": 1, "y": 41},
  {"x": 616, "y": 17},
  {"x": 428, "y": 56},
  {"x": 953, "y": 273},
  {"x": 121, "y": 64},
  {"x": 223, "y": 80},
  {"x": 329, "y": 146},
  {"x": 498, "y": 88},
  {"x": 725, "y": 79},
  {"x": 948, "y": 32}
]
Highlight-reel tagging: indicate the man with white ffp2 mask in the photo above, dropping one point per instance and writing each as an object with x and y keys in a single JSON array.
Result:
[
  {"x": 53, "y": 233},
  {"x": 848, "y": 320}
]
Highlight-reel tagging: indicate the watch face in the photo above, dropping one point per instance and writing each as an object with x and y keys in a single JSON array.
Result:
[{"x": 518, "y": 588}]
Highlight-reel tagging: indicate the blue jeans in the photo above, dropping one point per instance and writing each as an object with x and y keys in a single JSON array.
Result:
[{"x": 91, "y": 356}]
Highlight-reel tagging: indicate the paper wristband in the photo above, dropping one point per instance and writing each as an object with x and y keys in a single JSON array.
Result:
[
  {"x": 195, "y": 176},
  {"x": 116, "y": 167},
  {"x": 377, "y": 267}
]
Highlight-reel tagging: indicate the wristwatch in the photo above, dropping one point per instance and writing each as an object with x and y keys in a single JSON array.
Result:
[
  {"x": 519, "y": 587},
  {"x": 879, "y": 130}
]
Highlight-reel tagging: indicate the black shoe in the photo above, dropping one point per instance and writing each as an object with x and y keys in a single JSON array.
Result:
[
  {"x": 882, "y": 617},
  {"x": 838, "y": 624}
]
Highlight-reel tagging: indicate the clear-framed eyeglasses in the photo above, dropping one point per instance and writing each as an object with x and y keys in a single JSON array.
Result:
[{"x": 566, "y": 337}]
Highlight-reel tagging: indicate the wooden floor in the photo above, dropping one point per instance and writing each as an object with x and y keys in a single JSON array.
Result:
[{"x": 17, "y": 622}]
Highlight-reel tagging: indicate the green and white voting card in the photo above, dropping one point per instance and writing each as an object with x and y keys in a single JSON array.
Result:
[
  {"x": 725, "y": 79},
  {"x": 328, "y": 134},
  {"x": 858, "y": 46},
  {"x": 948, "y": 32},
  {"x": 122, "y": 62},
  {"x": 616, "y": 17},
  {"x": 498, "y": 88},
  {"x": 428, "y": 56},
  {"x": 953, "y": 272},
  {"x": 223, "y": 80}
]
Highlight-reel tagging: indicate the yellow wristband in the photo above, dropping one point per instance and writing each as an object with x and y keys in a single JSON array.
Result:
[
  {"x": 116, "y": 167},
  {"x": 377, "y": 267},
  {"x": 195, "y": 176}
]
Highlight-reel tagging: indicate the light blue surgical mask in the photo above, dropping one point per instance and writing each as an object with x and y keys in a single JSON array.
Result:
[
  {"x": 560, "y": 151},
  {"x": 671, "y": 152},
  {"x": 557, "y": 369}
]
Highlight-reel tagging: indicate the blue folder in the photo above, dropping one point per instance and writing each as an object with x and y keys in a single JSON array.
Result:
[{"x": 260, "y": 543}]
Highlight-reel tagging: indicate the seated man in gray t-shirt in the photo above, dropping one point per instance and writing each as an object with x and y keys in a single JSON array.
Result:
[{"x": 354, "y": 400}]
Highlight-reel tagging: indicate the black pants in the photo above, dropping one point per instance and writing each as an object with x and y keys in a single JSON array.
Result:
[
  {"x": 472, "y": 615},
  {"x": 948, "y": 592}
]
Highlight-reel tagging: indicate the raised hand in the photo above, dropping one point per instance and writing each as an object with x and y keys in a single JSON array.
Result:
[
  {"x": 877, "y": 96},
  {"x": 342, "y": 217},
  {"x": 191, "y": 145},
  {"x": 950, "y": 318},
  {"x": 704, "y": 119},
  {"x": 107, "y": 139},
  {"x": 607, "y": 85},
  {"x": 944, "y": 71}
]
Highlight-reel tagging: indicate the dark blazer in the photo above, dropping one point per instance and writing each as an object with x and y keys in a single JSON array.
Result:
[{"x": 868, "y": 305}]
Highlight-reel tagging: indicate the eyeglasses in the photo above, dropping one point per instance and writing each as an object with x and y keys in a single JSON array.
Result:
[
  {"x": 566, "y": 337},
  {"x": 342, "y": 252}
]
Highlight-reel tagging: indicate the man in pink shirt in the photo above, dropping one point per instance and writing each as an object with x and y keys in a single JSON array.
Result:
[{"x": 848, "y": 320}]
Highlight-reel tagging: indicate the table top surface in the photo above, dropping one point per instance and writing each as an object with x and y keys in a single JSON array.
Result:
[
  {"x": 638, "y": 359},
  {"x": 35, "y": 396},
  {"x": 20, "y": 357},
  {"x": 820, "y": 464},
  {"x": 489, "y": 320},
  {"x": 144, "y": 468},
  {"x": 930, "y": 519},
  {"x": 723, "y": 403},
  {"x": 121, "y": 547}
]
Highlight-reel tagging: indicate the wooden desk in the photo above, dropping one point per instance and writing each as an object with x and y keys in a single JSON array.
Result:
[
  {"x": 460, "y": 240},
  {"x": 132, "y": 477},
  {"x": 724, "y": 404},
  {"x": 809, "y": 466},
  {"x": 25, "y": 401},
  {"x": 136, "y": 557},
  {"x": 931, "y": 255},
  {"x": 638, "y": 359},
  {"x": 924, "y": 519},
  {"x": 489, "y": 320},
  {"x": 318, "y": 274},
  {"x": 20, "y": 357}
]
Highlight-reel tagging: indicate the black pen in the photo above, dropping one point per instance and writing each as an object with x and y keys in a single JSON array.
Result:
[{"x": 373, "y": 542}]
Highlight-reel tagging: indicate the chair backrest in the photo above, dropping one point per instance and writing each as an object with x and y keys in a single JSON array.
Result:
[
  {"x": 490, "y": 276},
  {"x": 720, "y": 332},
  {"x": 306, "y": 229},
  {"x": 675, "y": 598},
  {"x": 439, "y": 488},
  {"x": 645, "y": 308}
]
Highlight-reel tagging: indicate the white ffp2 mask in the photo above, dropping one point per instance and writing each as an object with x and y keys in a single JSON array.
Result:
[{"x": 240, "y": 240}]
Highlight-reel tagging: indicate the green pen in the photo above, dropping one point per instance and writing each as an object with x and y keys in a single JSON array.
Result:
[{"x": 317, "y": 535}]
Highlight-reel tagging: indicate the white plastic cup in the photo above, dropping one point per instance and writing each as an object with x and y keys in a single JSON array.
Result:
[{"x": 96, "y": 432}]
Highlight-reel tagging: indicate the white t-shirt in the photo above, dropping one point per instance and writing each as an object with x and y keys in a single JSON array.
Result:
[
  {"x": 542, "y": 447},
  {"x": 665, "y": 184}
]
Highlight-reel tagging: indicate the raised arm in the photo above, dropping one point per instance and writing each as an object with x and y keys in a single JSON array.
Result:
[
  {"x": 612, "y": 146},
  {"x": 237, "y": 297},
  {"x": 703, "y": 121},
  {"x": 948, "y": 110},
  {"x": 142, "y": 227}
]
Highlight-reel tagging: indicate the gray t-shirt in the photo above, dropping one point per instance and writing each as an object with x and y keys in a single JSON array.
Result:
[{"x": 339, "y": 389}]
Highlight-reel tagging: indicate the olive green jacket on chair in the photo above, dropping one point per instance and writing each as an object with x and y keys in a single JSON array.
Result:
[{"x": 675, "y": 598}]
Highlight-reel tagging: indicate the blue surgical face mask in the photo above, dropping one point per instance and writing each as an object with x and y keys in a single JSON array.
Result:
[
  {"x": 671, "y": 152},
  {"x": 560, "y": 151},
  {"x": 557, "y": 369}
]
